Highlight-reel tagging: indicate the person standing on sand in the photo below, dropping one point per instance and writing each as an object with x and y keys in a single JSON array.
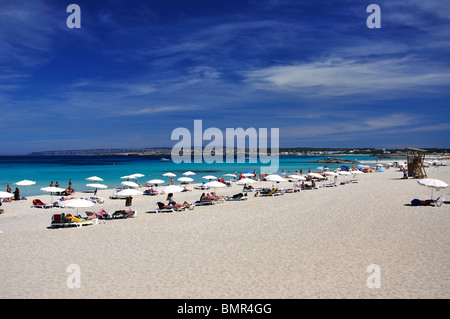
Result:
[{"x": 8, "y": 188}]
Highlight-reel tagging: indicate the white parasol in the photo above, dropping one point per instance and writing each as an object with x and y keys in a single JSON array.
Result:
[
  {"x": 5, "y": 195},
  {"x": 172, "y": 189},
  {"x": 94, "y": 179},
  {"x": 186, "y": 179},
  {"x": 25, "y": 183},
  {"x": 130, "y": 184},
  {"x": 245, "y": 181},
  {"x": 433, "y": 184},
  {"x": 275, "y": 178}
]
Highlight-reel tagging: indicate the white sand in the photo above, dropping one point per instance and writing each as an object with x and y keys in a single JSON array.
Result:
[{"x": 312, "y": 244}]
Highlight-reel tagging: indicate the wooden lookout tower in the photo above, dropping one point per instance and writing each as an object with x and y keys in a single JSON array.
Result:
[{"x": 415, "y": 159}]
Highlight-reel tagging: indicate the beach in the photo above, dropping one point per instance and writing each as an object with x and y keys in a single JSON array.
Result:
[{"x": 309, "y": 244}]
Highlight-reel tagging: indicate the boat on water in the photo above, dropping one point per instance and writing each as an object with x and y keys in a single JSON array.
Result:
[{"x": 164, "y": 159}]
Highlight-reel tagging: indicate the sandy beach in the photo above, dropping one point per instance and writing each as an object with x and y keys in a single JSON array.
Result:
[{"x": 310, "y": 244}]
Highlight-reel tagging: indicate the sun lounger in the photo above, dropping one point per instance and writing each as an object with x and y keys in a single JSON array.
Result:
[
  {"x": 101, "y": 215},
  {"x": 205, "y": 202},
  {"x": 201, "y": 187},
  {"x": 97, "y": 200},
  {"x": 272, "y": 192},
  {"x": 124, "y": 214},
  {"x": 171, "y": 209},
  {"x": 39, "y": 204},
  {"x": 330, "y": 185},
  {"x": 62, "y": 220},
  {"x": 151, "y": 192},
  {"x": 237, "y": 197}
]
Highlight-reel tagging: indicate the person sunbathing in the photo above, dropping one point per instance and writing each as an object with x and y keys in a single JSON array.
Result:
[
  {"x": 206, "y": 197},
  {"x": 174, "y": 205},
  {"x": 214, "y": 196},
  {"x": 67, "y": 198},
  {"x": 178, "y": 205}
]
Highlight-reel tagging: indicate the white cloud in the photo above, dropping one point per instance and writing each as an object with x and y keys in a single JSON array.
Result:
[{"x": 340, "y": 77}]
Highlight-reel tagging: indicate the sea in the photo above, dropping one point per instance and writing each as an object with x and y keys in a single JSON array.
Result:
[{"x": 45, "y": 169}]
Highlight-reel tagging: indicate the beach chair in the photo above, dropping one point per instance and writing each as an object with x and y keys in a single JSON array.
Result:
[
  {"x": 101, "y": 215},
  {"x": 209, "y": 201},
  {"x": 171, "y": 209},
  {"x": 151, "y": 192},
  {"x": 124, "y": 214},
  {"x": 96, "y": 200},
  {"x": 272, "y": 192},
  {"x": 39, "y": 204},
  {"x": 237, "y": 197},
  {"x": 62, "y": 220},
  {"x": 162, "y": 209},
  {"x": 203, "y": 187}
]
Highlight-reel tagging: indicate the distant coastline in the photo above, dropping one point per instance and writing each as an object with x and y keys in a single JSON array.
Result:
[{"x": 291, "y": 151}]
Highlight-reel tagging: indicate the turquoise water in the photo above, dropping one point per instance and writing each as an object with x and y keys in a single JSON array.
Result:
[{"x": 60, "y": 169}]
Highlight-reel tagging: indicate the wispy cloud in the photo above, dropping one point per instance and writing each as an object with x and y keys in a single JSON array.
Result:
[{"x": 340, "y": 77}]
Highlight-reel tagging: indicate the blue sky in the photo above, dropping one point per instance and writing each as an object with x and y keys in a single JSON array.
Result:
[{"x": 136, "y": 70}]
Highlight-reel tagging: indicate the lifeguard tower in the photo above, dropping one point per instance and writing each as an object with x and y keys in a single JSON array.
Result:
[{"x": 415, "y": 159}]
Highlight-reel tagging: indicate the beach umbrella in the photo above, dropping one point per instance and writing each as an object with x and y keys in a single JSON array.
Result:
[
  {"x": 248, "y": 174},
  {"x": 186, "y": 179},
  {"x": 155, "y": 181},
  {"x": 215, "y": 184},
  {"x": 231, "y": 175},
  {"x": 245, "y": 181},
  {"x": 433, "y": 184},
  {"x": 172, "y": 189},
  {"x": 137, "y": 175},
  {"x": 25, "y": 183},
  {"x": 130, "y": 184},
  {"x": 297, "y": 177},
  {"x": 169, "y": 174},
  {"x": 97, "y": 185},
  {"x": 129, "y": 192},
  {"x": 188, "y": 173},
  {"x": 275, "y": 178},
  {"x": 52, "y": 190},
  {"x": 76, "y": 203},
  {"x": 209, "y": 177},
  {"x": 128, "y": 177},
  {"x": 5, "y": 195},
  {"x": 315, "y": 175},
  {"x": 94, "y": 179}
]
